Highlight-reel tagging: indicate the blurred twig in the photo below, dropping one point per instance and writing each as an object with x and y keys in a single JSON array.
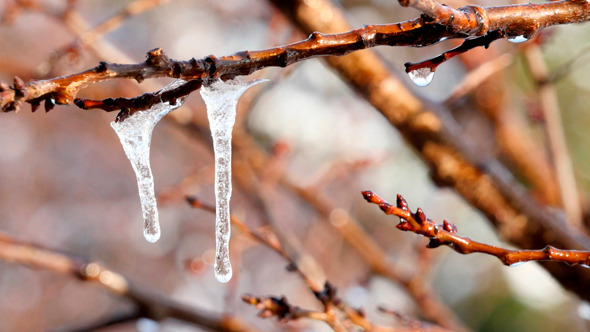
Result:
[
  {"x": 555, "y": 136},
  {"x": 116, "y": 319},
  {"x": 271, "y": 306},
  {"x": 152, "y": 305}
]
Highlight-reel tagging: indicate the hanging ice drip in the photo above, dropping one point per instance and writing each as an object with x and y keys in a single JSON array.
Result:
[{"x": 221, "y": 99}]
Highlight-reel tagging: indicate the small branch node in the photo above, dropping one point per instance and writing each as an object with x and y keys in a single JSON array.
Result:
[
  {"x": 157, "y": 58},
  {"x": 211, "y": 66},
  {"x": 481, "y": 17}
]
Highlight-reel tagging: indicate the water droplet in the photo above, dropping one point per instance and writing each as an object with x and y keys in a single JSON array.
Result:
[
  {"x": 223, "y": 276},
  {"x": 369, "y": 39},
  {"x": 151, "y": 234},
  {"x": 517, "y": 39},
  {"x": 421, "y": 76},
  {"x": 147, "y": 325},
  {"x": 516, "y": 264},
  {"x": 584, "y": 310}
]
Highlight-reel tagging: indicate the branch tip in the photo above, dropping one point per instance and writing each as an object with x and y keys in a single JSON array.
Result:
[
  {"x": 371, "y": 197},
  {"x": 420, "y": 216},
  {"x": 193, "y": 201},
  {"x": 101, "y": 68},
  {"x": 447, "y": 226},
  {"x": 402, "y": 203},
  {"x": 157, "y": 58},
  {"x": 445, "y": 234},
  {"x": 327, "y": 294}
]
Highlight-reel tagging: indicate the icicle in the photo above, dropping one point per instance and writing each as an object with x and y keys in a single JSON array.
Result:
[
  {"x": 221, "y": 99},
  {"x": 135, "y": 134}
]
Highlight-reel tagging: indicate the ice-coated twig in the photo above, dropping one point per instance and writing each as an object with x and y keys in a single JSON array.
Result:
[
  {"x": 135, "y": 134},
  {"x": 221, "y": 99}
]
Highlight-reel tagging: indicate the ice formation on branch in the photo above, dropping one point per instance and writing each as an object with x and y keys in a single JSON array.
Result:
[
  {"x": 221, "y": 99},
  {"x": 135, "y": 134}
]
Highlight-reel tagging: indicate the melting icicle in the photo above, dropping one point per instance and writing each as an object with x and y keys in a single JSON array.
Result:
[
  {"x": 221, "y": 99},
  {"x": 135, "y": 134},
  {"x": 421, "y": 76}
]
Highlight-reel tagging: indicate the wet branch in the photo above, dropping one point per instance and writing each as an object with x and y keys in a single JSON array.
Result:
[
  {"x": 438, "y": 22},
  {"x": 446, "y": 235},
  {"x": 478, "y": 177}
]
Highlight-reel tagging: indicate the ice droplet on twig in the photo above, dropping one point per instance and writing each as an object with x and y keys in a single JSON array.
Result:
[
  {"x": 221, "y": 99},
  {"x": 517, "y": 264},
  {"x": 135, "y": 134},
  {"x": 518, "y": 39},
  {"x": 421, "y": 76}
]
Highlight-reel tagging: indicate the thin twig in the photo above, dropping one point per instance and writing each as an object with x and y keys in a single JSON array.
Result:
[
  {"x": 446, "y": 234},
  {"x": 86, "y": 36},
  {"x": 152, "y": 305},
  {"x": 116, "y": 319},
  {"x": 477, "y": 76},
  {"x": 468, "y": 21},
  {"x": 271, "y": 306}
]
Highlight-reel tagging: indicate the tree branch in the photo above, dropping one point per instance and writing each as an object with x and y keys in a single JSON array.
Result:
[
  {"x": 478, "y": 177},
  {"x": 152, "y": 305},
  {"x": 446, "y": 234},
  {"x": 422, "y": 31}
]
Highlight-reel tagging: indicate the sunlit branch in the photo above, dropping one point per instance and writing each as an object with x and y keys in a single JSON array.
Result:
[
  {"x": 446, "y": 234},
  {"x": 522, "y": 20}
]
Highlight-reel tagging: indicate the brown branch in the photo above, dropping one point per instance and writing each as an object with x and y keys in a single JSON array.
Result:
[
  {"x": 472, "y": 21},
  {"x": 244, "y": 146},
  {"x": 87, "y": 36},
  {"x": 476, "y": 77},
  {"x": 446, "y": 234},
  {"x": 270, "y": 306},
  {"x": 517, "y": 20},
  {"x": 424, "y": 68},
  {"x": 152, "y": 305},
  {"x": 478, "y": 177},
  {"x": 408, "y": 321},
  {"x": 114, "y": 320},
  {"x": 488, "y": 93}
]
